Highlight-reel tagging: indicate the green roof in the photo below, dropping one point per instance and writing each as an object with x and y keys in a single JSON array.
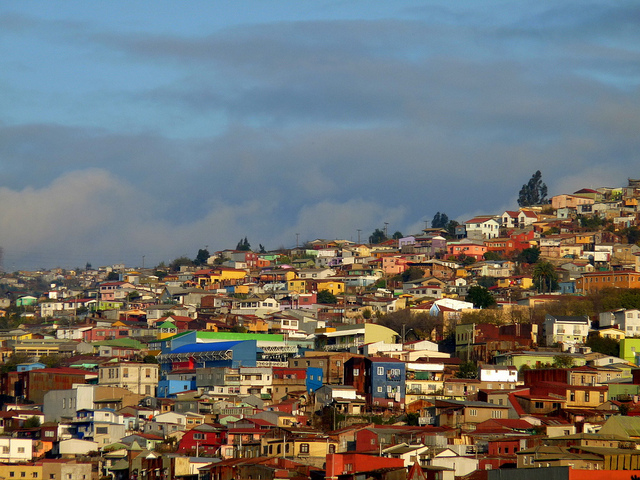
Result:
[
  {"x": 267, "y": 337},
  {"x": 122, "y": 342},
  {"x": 167, "y": 324}
]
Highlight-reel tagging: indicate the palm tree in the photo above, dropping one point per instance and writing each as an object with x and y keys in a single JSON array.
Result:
[{"x": 545, "y": 277}]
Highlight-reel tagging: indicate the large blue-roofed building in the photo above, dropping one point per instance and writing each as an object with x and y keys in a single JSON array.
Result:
[{"x": 211, "y": 354}]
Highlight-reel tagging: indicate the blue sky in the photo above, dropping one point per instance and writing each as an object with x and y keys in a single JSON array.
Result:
[{"x": 156, "y": 128}]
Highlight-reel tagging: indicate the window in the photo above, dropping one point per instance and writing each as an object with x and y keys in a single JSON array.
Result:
[
  {"x": 20, "y": 449},
  {"x": 102, "y": 430},
  {"x": 473, "y": 412},
  {"x": 356, "y": 372},
  {"x": 379, "y": 389},
  {"x": 539, "y": 405},
  {"x": 125, "y": 373},
  {"x": 304, "y": 448},
  {"x": 496, "y": 414},
  {"x": 380, "y": 370},
  {"x": 147, "y": 372},
  {"x": 586, "y": 396},
  {"x": 49, "y": 433}
]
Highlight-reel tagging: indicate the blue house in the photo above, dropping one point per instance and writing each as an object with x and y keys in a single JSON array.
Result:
[
  {"x": 386, "y": 385},
  {"x": 27, "y": 367},
  {"x": 176, "y": 382},
  {"x": 314, "y": 379}
]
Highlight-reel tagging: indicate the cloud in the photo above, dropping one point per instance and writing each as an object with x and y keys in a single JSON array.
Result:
[{"x": 160, "y": 141}]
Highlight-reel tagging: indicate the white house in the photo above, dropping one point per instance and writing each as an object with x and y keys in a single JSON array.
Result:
[
  {"x": 484, "y": 228},
  {"x": 570, "y": 331},
  {"x": 328, "y": 393},
  {"x": 406, "y": 452},
  {"x": 626, "y": 320},
  {"x": 450, "y": 459},
  {"x": 14, "y": 450},
  {"x": 498, "y": 373}
]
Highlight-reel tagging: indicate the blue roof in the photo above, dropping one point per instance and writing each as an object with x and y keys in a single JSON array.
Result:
[{"x": 206, "y": 347}]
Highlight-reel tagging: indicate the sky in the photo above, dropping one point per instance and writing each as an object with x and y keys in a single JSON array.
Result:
[{"x": 136, "y": 132}]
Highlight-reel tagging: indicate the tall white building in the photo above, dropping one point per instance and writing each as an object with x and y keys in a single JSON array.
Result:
[{"x": 570, "y": 331}]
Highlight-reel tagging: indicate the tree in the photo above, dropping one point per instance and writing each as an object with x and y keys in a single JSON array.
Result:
[
  {"x": 545, "y": 277},
  {"x": 422, "y": 324},
  {"x": 492, "y": 256},
  {"x": 261, "y": 249},
  {"x": 562, "y": 361},
  {"x": 592, "y": 222},
  {"x": 480, "y": 297},
  {"x": 325, "y": 296},
  {"x": 180, "y": 262},
  {"x": 487, "y": 281},
  {"x": 397, "y": 235},
  {"x": 150, "y": 359},
  {"x": 467, "y": 370},
  {"x": 377, "y": 236},
  {"x": 51, "y": 361},
  {"x": 440, "y": 220},
  {"x": 243, "y": 245},
  {"x": 32, "y": 422},
  {"x": 529, "y": 255},
  {"x": 202, "y": 257},
  {"x": 113, "y": 276},
  {"x": 604, "y": 345},
  {"x": 412, "y": 273},
  {"x": 533, "y": 192},
  {"x": 451, "y": 227}
]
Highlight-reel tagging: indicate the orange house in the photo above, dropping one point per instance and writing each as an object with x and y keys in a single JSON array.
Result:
[{"x": 594, "y": 281}]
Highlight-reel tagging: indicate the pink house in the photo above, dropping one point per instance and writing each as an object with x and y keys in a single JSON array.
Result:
[
  {"x": 467, "y": 248},
  {"x": 100, "y": 334},
  {"x": 394, "y": 265},
  {"x": 108, "y": 290}
]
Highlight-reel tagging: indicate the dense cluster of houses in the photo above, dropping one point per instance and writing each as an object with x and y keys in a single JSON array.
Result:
[{"x": 274, "y": 365}]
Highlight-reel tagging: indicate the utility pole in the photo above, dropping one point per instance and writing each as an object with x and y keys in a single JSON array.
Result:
[
  {"x": 297, "y": 237},
  {"x": 359, "y": 230},
  {"x": 386, "y": 232}
]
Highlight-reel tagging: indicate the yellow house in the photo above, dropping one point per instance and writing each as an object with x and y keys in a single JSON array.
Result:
[
  {"x": 241, "y": 289},
  {"x": 585, "y": 239},
  {"x": 297, "y": 445},
  {"x": 462, "y": 272},
  {"x": 298, "y": 285},
  {"x": 363, "y": 250},
  {"x": 220, "y": 274},
  {"x": 334, "y": 286},
  {"x": 166, "y": 330},
  {"x": 611, "y": 332},
  {"x": 18, "y": 470}
]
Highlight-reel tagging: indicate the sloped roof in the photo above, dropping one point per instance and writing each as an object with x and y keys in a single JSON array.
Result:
[{"x": 627, "y": 427}]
